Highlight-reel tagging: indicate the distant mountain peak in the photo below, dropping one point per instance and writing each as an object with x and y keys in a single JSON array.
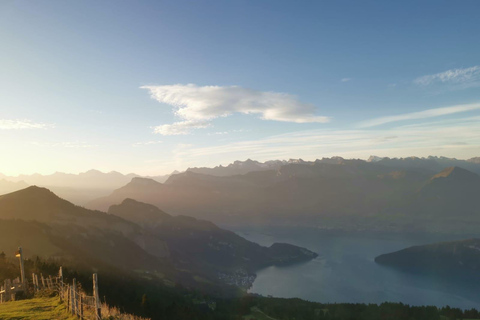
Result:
[
  {"x": 374, "y": 159},
  {"x": 455, "y": 173},
  {"x": 143, "y": 214},
  {"x": 36, "y": 191},
  {"x": 474, "y": 160},
  {"x": 297, "y": 161},
  {"x": 93, "y": 171},
  {"x": 143, "y": 181}
]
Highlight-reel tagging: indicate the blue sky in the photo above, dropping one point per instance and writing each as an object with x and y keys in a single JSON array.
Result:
[{"x": 153, "y": 86}]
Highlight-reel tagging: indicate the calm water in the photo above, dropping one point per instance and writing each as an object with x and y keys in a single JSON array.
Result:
[{"x": 345, "y": 271}]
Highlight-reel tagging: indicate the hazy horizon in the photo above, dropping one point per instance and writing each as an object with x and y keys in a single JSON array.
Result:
[{"x": 218, "y": 165}]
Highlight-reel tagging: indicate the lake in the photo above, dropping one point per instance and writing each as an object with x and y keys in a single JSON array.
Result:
[{"x": 345, "y": 270}]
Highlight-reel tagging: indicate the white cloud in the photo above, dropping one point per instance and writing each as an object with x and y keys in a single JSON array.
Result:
[
  {"x": 195, "y": 105},
  {"x": 6, "y": 124},
  {"x": 346, "y": 79},
  {"x": 430, "y": 113},
  {"x": 453, "y": 76},
  {"x": 180, "y": 128}
]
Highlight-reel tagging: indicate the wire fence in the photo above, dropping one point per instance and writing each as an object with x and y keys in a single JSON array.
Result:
[{"x": 77, "y": 301}]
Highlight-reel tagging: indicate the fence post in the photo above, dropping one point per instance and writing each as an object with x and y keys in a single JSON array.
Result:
[
  {"x": 33, "y": 281},
  {"x": 19, "y": 255},
  {"x": 81, "y": 306},
  {"x": 98, "y": 306},
  {"x": 8, "y": 287},
  {"x": 60, "y": 274},
  {"x": 75, "y": 294},
  {"x": 68, "y": 298},
  {"x": 43, "y": 280},
  {"x": 72, "y": 302}
]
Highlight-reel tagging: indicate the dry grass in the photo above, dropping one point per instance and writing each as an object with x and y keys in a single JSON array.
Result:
[{"x": 113, "y": 313}]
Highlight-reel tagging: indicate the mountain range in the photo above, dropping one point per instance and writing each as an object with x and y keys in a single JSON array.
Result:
[
  {"x": 77, "y": 188},
  {"x": 386, "y": 194}
]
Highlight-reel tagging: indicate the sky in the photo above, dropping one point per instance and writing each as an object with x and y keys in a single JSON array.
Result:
[{"x": 155, "y": 86}]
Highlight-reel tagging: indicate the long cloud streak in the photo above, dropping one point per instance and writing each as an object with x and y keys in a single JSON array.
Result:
[
  {"x": 197, "y": 105},
  {"x": 430, "y": 113}
]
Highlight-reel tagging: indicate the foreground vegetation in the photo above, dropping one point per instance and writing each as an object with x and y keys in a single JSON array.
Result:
[
  {"x": 43, "y": 308},
  {"x": 153, "y": 299}
]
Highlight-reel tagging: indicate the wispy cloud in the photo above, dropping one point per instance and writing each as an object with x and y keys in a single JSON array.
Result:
[
  {"x": 146, "y": 143},
  {"x": 460, "y": 138},
  {"x": 8, "y": 124},
  {"x": 181, "y": 127},
  {"x": 65, "y": 144},
  {"x": 218, "y": 133},
  {"x": 197, "y": 105},
  {"x": 452, "y": 76},
  {"x": 346, "y": 79},
  {"x": 430, "y": 113}
]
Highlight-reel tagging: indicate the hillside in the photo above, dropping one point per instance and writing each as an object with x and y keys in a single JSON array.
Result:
[
  {"x": 449, "y": 198},
  {"x": 35, "y": 309},
  {"x": 457, "y": 259},
  {"x": 179, "y": 249},
  {"x": 49, "y": 226},
  {"x": 199, "y": 244}
]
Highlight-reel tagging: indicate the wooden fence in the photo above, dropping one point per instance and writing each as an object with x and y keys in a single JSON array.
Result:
[
  {"x": 77, "y": 301},
  {"x": 10, "y": 289},
  {"x": 75, "y": 298}
]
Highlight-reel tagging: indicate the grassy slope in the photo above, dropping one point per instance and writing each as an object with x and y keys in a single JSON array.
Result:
[{"x": 38, "y": 309}]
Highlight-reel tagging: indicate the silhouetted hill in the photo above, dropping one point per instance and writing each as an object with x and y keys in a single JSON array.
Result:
[
  {"x": 141, "y": 238},
  {"x": 454, "y": 259},
  {"x": 81, "y": 234},
  {"x": 201, "y": 245},
  {"x": 143, "y": 214},
  {"x": 454, "y": 193},
  {"x": 42, "y": 205}
]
